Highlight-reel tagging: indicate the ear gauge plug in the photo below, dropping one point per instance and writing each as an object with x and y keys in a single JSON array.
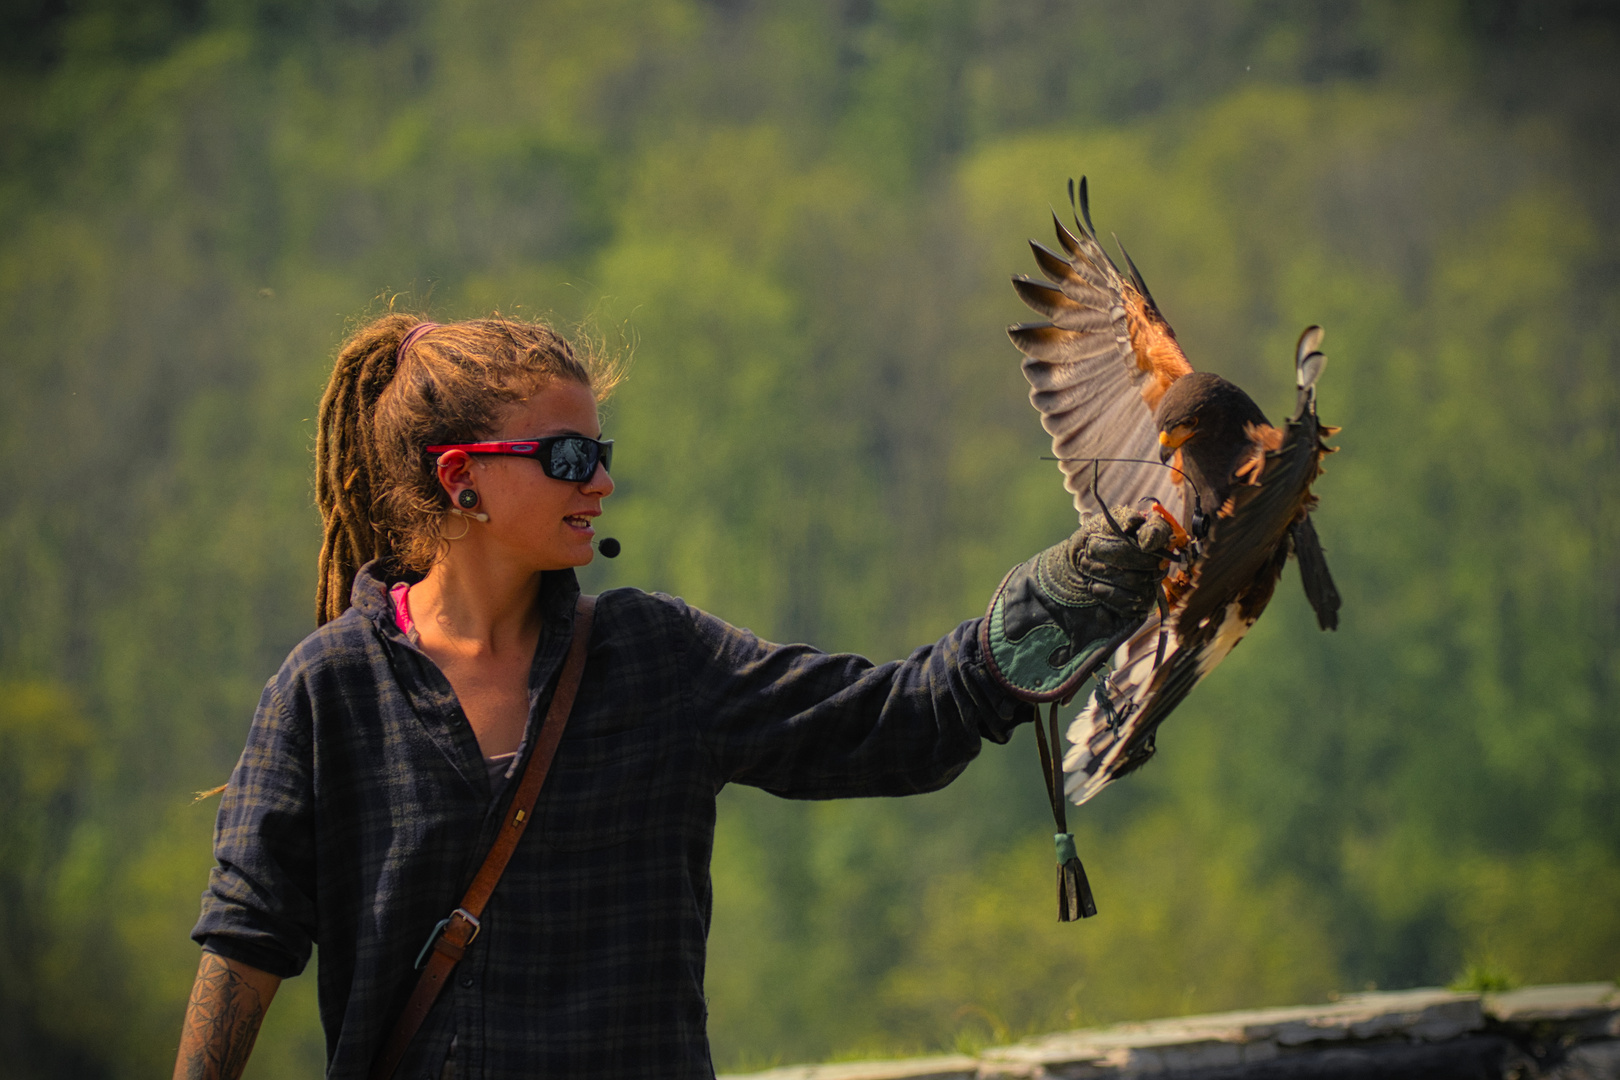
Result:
[{"x": 467, "y": 500}]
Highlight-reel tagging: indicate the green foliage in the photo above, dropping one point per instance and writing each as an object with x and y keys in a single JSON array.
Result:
[
  {"x": 802, "y": 216},
  {"x": 1482, "y": 978},
  {"x": 1190, "y": 927},
  {"x": 47, "y": 763}
]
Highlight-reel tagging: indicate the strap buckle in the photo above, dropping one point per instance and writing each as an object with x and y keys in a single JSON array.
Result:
[{"x": 440, "y": 927}]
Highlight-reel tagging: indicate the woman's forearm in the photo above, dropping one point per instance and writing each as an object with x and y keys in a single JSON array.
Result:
[{"x": 228, "y": 1003}]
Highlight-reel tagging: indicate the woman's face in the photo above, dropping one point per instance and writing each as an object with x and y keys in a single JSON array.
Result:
[{"x": 537, "y": 522}]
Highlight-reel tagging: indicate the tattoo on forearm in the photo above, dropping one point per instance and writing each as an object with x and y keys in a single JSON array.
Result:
[{"x": 222, "y": 1020}]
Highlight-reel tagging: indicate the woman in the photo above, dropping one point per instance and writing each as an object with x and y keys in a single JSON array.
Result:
[{"x": 384, "y": 753}]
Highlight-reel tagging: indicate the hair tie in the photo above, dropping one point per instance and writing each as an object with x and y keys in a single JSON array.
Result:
[{"x": 417, "y": 331}]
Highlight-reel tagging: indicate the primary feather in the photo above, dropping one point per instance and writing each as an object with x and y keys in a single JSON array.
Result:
[{"x": 1098, "y": 368}]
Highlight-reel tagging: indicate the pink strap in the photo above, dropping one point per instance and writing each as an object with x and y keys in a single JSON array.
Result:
[
  {"x": 418, "y": 331},
  {"x": 401, "y": 594}
]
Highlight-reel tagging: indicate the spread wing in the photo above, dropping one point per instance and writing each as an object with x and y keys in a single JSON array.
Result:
[
  {"x": 1098, "y": 367},
  {"x": 1216, "y": 601}
]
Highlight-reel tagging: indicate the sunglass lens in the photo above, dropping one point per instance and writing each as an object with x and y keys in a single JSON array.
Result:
[{"x": 572, "y": 460}]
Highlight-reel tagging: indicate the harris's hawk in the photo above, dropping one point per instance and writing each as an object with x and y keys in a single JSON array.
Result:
[{"x": 1132, "y": 423}]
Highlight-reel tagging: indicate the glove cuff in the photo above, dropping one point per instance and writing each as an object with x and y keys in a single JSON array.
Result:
[{"x": 1027, "y": 651}]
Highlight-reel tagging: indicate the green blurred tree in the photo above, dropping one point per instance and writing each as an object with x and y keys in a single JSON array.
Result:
[
  {"x": 801, "y": 215},
  {"x": 48, "y": 762}
]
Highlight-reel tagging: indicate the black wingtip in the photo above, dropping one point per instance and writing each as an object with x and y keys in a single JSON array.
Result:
[
  {"x": 1067, "y": 239},
  {"x": 1082, "y": 217},
  {"x": 1085, "y": 207},
  {"x": 1136, "y": 275},
  {"x": 1056, "y": 267},
  {"x": 1079, "y": 210}
]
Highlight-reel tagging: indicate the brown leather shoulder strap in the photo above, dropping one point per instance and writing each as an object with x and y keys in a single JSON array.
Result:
[{"x": 457, "y": 930}]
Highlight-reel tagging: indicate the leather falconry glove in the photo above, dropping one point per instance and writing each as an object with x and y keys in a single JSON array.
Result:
[{"x": 1053, "y": 614}]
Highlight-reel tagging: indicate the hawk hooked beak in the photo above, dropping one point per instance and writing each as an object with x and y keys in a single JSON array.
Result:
[{"x": 1170, "y": 441}]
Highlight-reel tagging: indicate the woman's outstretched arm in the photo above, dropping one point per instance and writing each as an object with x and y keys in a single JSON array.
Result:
[{"x": 228, "y": 1003}]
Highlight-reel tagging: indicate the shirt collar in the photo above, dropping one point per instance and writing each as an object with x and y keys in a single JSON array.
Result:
[{"x": 559, "y": 591}]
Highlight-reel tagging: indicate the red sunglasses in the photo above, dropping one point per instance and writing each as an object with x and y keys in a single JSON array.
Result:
[{"x": 572, "y": 458}]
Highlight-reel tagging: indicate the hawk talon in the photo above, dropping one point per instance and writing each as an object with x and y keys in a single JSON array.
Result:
[{"x": 1100, "y": 695}]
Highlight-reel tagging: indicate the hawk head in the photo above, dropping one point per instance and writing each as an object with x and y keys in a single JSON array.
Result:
[{"x": 1202, "y": 411}]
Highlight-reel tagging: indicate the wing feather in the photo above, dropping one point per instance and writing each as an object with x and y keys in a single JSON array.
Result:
[
  {"x": 1114, "y": 734},
  {"x": 1053, "y": 265},
  {"x": 1097, "y": 367},
  {"x": 1225, "y": 592},
  {"x": 1313, "y": 573},
  {"x": 1254, "y": 525}
]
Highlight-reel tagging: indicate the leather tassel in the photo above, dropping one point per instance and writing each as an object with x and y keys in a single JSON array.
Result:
[{"x": 1074, "y": 891}]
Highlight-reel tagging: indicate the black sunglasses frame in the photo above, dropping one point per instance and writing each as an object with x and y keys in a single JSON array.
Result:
[{"x": 581, "y": 454}]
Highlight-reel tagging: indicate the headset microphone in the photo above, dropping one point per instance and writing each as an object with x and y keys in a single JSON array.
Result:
[{"x": 608, "y": 547}]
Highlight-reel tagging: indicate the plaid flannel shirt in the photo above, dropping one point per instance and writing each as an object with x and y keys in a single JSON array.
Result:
[{"x": 361, "y": 808}]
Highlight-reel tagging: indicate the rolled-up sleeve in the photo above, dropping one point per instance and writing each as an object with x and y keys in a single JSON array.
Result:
[
  {"x": 806, "y": 724},
  {"x": 259, "y": 907}
]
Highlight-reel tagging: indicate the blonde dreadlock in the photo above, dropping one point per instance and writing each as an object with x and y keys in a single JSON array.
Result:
[{"x": 378, "y": 493}]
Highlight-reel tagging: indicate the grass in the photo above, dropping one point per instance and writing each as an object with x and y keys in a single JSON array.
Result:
[{"x": 1484, "y": 977}]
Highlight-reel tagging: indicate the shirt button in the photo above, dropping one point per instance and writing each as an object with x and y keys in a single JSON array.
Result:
[{"x": 466, "y": 980}]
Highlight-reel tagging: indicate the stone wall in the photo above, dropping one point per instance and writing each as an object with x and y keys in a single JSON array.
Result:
[{"x": 1569, "y": 1032}]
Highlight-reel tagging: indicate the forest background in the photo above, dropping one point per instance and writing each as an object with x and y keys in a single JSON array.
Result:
[{"x": 802, "y": 216}]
